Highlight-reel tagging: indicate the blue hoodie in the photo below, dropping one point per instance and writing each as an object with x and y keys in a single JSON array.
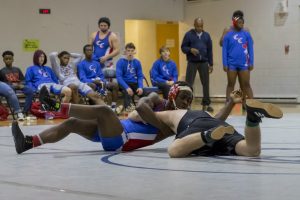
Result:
[
  {"x": 36, "y": 75},
  {"x": 89, "y": 70},
  {"x": 129, "y": 71},
  {"x": 163, "y": 71},
  {"x": 237, "y": 49}
]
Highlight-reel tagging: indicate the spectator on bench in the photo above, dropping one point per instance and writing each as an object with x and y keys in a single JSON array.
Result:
[
  {"x": 90, "y": 72},
  {"x": 14, "y": 77},
  {"x": 66, "y": 73},
  {"x": 130, "y": 76},
  {"x": 11, "y": 99},
  {"x": 164, "y": 72},
  {"x": 40, "y": 75}
]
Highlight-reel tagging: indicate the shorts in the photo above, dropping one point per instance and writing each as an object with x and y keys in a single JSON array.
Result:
[
  {"x": 135, "y": 135},
  {"x": 52, "y": 87},
  {"x": 199, "y": 121},
  {"x": 83, "y": 88},
  {"x": 237, "y": 68},
  {"x": 222, "y": 147}
]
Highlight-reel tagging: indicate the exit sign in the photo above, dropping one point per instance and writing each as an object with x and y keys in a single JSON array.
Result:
[{"x": 44, "y": 11}]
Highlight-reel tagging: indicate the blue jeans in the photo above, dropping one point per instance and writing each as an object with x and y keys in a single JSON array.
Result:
[
  {"x": 29, "y": 94},
  {"x": 11, "y": 98}
]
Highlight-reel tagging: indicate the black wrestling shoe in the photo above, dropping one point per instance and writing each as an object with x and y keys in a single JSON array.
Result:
[
  {"x": 214, "y": 134},
  {"x": 21, "y": 143},
  {"x": 258, "y": 109},
  {"x": 48, "y": 103}
]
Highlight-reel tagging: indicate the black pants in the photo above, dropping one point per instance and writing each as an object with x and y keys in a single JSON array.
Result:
[
  {"x": 165, "y": 88},
  {"x": 127, "y": 98},
  {"x": 203, "y": 70}
]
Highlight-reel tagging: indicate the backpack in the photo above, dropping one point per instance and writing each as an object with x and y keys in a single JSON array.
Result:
[
  {"x": 36, "y": 110},
  {"x": 3, "y": 112}
]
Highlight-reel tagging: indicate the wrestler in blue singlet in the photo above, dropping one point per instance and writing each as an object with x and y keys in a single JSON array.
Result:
[
  {"x": 135, "y": 135},
  {"x": 101, "y": 47}
]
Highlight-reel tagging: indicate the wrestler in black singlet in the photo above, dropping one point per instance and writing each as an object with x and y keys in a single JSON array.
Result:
[{"x": 198, "y": 121}]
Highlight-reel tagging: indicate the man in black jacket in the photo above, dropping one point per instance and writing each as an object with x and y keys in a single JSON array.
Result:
[{"x": 197, "y": 45}]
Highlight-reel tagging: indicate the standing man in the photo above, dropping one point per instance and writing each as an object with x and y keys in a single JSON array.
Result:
[
  {"x": 106, "y": 43},
  {"x": 197, "y": 45}
]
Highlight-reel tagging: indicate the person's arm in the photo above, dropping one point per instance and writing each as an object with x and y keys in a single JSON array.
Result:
[
  {"x": 140, "y": 75},
  {"x": 81, "y": 74},
  {"x": 77, "y": 57},
  {"x": 114, "y": 44},
  {"x": 28, "y": 79},
  {"x": 21, "y": 76},
  {"x": 186, "y": 45},
  {"x": 92, "y": 38},
  {"x": 175, "y": 72},
  {"x": 224, "y": 53},
  {"x": 55, "y": 65},
  {"x": 53, "y": 76},
  {"x": 209, "y": 51},
  {"x": 235, "y": 97},
  {"x": 119, "y": 75},
  {"x": 225, "y": 31},
  {"x": 148, "y": 115},
  {"x": 250, "y": 50},
  {"x": 156, "y": 76},
  {"x": 152, "y": 100}
]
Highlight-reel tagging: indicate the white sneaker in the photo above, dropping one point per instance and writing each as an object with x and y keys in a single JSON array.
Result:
[{"x": 20, "y": 116}]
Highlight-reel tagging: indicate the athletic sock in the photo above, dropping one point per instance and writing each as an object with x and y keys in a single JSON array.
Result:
[
  {"x": 36, "y": 141},
  {"x": 252, "y": 120},
  {"x": 65, "y": 109}
]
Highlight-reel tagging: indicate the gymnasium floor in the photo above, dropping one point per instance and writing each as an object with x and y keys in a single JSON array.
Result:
[{"x": 78, "y": 169}]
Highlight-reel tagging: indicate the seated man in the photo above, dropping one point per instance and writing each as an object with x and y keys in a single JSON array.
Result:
[
  {"x": 130, "y": 76},
  {"x": 90, "y": 72},
  {"x": 14, "y": 77},
  {"x": 66, "y": 73},
  {"x": 100, "y": 124},
  {"x": 11, "y": 98},
  {"x": 198, "y": 133},
  {"x": 40, "y": 75},
  {"x": 164, "y": 72}
]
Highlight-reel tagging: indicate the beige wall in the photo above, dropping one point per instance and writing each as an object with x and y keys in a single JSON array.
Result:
[
  {"x": 275, "y": 74},
  {"x": 143, "y": 34},
  {"x": 71, "y": 21}
]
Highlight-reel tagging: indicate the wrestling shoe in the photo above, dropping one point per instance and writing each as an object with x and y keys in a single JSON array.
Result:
[
  {"x": 48, "y": 103},
  {"x": 214, "y": 134},
  {"x": 258, "y": 110},
  {"x": 21, "y": 143}
]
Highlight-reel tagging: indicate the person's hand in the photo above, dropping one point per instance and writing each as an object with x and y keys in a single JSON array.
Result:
[
  {"x": 225, "y": 68},
  {"x": 129, "y": 91},
  {"x": 194, "y": 51},
  {"x": 103, "y": 59},
  {"x": 236, "y": 96},
  {"x": 170, "y": 82},
  {"x": 98, "y": 82},
  {"x": 21, "y": 86},
  {"x": 134, "y": 116},
  {"x": 250, "y": 68},
  {"x": 210, "y": 68},
  {"x": 139, "y": 91}
]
